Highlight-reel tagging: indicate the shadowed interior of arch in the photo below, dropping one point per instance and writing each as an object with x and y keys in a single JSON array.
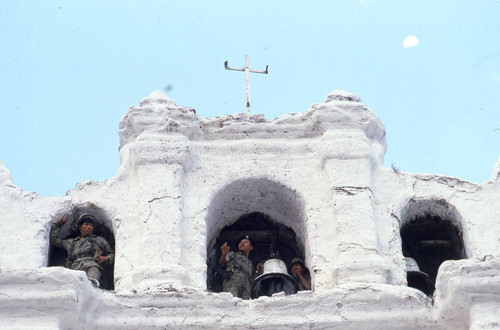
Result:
[
  {"x": 269, "y": 238},
  {"x": 430, "y": 240}
]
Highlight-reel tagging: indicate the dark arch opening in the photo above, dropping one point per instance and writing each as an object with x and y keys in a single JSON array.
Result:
[
  {"x": 268, "y": 237},
  {"x": 103, "y": 228},
  {"x": 430, "y": 240}
]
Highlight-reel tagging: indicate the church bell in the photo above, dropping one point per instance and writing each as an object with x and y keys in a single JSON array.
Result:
[{"x": 274, "y": 279}]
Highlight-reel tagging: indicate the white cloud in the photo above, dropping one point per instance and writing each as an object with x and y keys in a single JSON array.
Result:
[{"x": 410, "y": 41}]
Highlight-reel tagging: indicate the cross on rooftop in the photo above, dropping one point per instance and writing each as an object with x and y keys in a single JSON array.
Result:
[{"x": 247, "y": 77}]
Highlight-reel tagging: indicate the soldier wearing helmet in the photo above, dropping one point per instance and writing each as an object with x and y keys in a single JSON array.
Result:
[
  {"x": 301, "y": 273},
  {"x": 239, "y": 267},
  {"x": 86, "y": 252}
]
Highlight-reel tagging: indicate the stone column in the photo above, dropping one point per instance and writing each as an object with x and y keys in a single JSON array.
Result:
[
  {"x": 348, "y": 158},
  {"x": 160, "y": 162}
]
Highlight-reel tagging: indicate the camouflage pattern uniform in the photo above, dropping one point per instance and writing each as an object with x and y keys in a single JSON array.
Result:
[
  {"x": 82, "y": 250},
  {"x": 240, "y": 283},
  {"x": 301, "y": 286}
]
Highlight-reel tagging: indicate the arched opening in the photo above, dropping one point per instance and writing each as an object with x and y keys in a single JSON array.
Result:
[
  {"x": 269, "y": 212},
  {"x": 103, "y": 228},
  {"x": 431, "y": 233},
  {"x": 268, "y": 237}
]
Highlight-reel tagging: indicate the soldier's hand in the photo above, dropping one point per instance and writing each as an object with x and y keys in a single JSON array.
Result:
[
  {"x": 63, "y": 219},
  {"x": 297, "y": 270},
  {"x": 258, "y": 269},
  {"x": 225, "y": 248},
  {"x": 102, "y": 259}
]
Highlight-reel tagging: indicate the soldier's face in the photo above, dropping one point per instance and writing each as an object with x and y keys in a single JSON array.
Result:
[
  {"x": 296, "y": 269},
  {"x": 245, "y": 246},
  {"x": 86, "y": 228}
]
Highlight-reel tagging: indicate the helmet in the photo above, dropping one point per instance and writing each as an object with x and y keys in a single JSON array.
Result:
[
  {"x": 242, "y": 238},
  {"x": 86, "y": 217},
  {"x": 297, "y": 261}
]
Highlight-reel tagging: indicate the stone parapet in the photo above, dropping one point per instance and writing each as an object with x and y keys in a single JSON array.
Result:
[{"x": 64, "y": 299}]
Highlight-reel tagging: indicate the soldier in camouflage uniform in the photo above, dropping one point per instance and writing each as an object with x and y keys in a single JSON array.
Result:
[
  {"x": 86, "y": 252},
  {"x": 240, "y": 266}
]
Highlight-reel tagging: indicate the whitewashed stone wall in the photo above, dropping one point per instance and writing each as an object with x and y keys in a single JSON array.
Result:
[{"x": 184, "y": 178}]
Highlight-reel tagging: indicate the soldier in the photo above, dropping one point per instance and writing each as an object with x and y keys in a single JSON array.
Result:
[
  {"x": 301, "y": 273},
  {"x": 237, "y": 263},
  {"x": 86, "y": 252}
]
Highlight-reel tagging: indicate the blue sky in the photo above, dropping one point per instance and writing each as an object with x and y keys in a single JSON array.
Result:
[{"x": 69, "y": 70}]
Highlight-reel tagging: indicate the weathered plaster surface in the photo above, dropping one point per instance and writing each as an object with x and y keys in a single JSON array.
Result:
[{"x": 183, "y": 178}]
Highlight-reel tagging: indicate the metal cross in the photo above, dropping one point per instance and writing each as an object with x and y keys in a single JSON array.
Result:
[{"x": 247, "y": 77}]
